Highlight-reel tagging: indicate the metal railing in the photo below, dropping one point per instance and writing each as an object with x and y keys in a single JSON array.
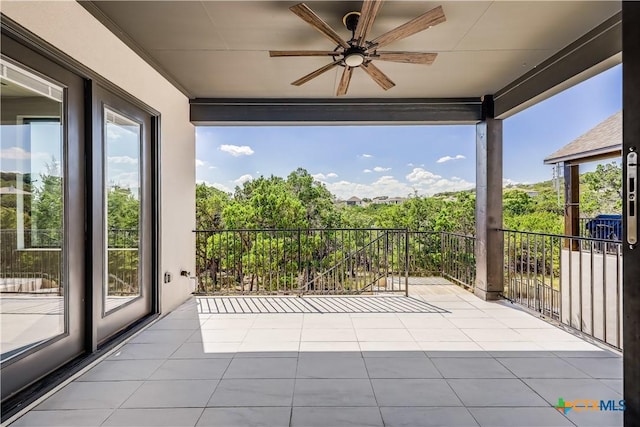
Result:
[
  {"x": 31, "y": 261},
  {"x": 576, "y": 281},
  {"x": 425, "y": 253},
  {"x": 297, "y": 261},
  {"x": 459, "y": 258},
  {"x": 327, "y": 261}
]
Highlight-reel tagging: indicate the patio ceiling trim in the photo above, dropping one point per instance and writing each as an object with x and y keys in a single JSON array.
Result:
[
  {"x": 229, "y": 112},
  {"x": 596, "y": 51}
]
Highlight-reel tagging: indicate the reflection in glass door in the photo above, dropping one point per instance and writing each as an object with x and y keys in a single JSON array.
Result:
[
  {"x": 42, "y": 216},
  {"x": 122, "y": 199},
  {"x": 122, "y": 234},
  {"x": 32, "y": 259}
]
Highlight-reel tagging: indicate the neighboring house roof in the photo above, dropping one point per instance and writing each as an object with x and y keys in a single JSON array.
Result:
[{"x": 604, "y": 140}]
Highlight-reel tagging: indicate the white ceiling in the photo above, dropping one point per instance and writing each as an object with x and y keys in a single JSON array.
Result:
[{"x": 219, "y": 49}]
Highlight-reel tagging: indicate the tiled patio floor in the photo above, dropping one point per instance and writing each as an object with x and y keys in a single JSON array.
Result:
[{"x": 441, "y": 358}]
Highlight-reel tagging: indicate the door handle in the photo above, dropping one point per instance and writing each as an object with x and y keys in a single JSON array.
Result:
[{"x": 632, "y": 208}]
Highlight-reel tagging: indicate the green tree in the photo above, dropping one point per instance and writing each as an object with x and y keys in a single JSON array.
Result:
[
  {"x": 47, "y": 207},
  {"x": 123, "y": 209},
  {"x": 602, "y": 190},
  {"x": 517, "y": 202},
  {"x": 210, "y": 203},
  {"x": 315, "y": 198},
  {"x": 265, "y": 203}
]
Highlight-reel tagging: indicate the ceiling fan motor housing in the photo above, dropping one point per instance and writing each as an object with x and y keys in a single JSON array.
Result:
[{"x": 354, "y": 56}]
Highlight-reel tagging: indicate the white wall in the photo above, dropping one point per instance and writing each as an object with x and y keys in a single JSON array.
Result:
[
  {"x": 602, "y": 273},
  {"x": 69, "y": 27}
]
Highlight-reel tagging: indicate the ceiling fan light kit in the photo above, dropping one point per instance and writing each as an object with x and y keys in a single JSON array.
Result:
[{"x": 358, "y": 52}]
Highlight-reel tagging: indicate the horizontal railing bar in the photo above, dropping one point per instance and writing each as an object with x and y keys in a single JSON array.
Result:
[
  {"x": 232, "y": 230},
  {"x": 563, "y": 236}
]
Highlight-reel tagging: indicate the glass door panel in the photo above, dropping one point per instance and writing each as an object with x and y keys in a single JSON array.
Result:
[
  {"x": 42, "y": 217},
  {"x": 122, "y": 235},
  {"x": 123, "y": 197},
  {"x": 32, "y": 165}
]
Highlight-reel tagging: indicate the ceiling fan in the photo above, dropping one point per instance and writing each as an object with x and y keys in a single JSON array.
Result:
[{"x": 359, "y": 52}]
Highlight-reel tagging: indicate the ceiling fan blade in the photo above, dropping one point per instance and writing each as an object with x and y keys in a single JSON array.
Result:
[
  {"x": 279, "y": 53},
  {"x": 368, "y": 14},
  {"x": 421, "y": 23},
  {"x": 378, "y": 76},
  {"x": 309, "y": 16},
  {"x": 344, "y": 81},
  {"x": 316, "y": 73},
  {"x": 406, "y": 57}
]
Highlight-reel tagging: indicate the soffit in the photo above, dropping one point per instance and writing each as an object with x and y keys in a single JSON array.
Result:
[{"x": 219, "y": 49}]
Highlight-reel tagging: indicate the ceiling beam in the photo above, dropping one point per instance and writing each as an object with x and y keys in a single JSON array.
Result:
[
  {"x": 591, "y": 54},
  {"x": 374, "y": 111}
]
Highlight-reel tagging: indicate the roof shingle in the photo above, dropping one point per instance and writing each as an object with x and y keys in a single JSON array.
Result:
[{"x": 604, "y": 140}]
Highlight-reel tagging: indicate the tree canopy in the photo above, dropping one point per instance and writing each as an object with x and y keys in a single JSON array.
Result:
[{"x": 300, "y": 201}]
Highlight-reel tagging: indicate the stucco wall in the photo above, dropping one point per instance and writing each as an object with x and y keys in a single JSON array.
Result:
[{"x": 69, "y": 27}]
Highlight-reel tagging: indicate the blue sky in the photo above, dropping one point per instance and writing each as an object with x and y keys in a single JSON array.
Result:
[{"x": 369, "y": 161}]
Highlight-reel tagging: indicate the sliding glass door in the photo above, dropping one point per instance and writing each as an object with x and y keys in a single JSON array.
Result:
[
  {"x": 42, "y": 215},
  {"x": 77, "y": 219},
  {"x": 122, "y": 192}
]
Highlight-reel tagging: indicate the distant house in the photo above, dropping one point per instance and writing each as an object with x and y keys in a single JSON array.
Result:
[
  {"x": 389, "y": 200},
  {"x": 354, "y": 201}
]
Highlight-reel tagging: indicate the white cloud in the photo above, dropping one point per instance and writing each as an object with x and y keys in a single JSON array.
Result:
[
  {"x": 237, "y": 150},
  {"x": 213, "y": 167},
  {"x": 127, "y": 160},
  {"x": 449, "y": 158},
  {"x": 420, "y": 180},
  {"x": 446, "y": 185},
  {"x": 509, "y": 181},
  {"x": 422, "y": 176},
  {"x": 381, "y": 169},
  {"x": 15, "y": 153},
  {"x": 126, "y": 180},
  {"x": 410, "y": 164},
  {"x": 429, "y": 183},
  {"x": 366, "y": 156},
  {"x": 244, "y": 178},
  {"x": 383, "y": 186},
  {"x": 367, "y": 171},
  {"x": 199, "y": 163},
  {"x": 323, "y": 177},
  {"x": 217, "y": 185}
]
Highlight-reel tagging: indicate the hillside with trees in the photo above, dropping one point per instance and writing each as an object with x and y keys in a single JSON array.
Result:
[{"x": 300, "y": 201}]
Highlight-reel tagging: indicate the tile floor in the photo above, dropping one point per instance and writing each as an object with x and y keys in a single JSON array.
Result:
[{"x": 444, "y": 359}]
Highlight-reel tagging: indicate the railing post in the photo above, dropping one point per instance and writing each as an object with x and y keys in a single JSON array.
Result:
[
  {"x": 406, "y": 262},
  {"x": 442, "y": 253},
  {"x": 300, "y": 270}
]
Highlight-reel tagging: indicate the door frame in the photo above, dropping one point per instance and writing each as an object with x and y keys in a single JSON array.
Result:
[
  {"x": 107, "y": 323},
  {"x": 39, "y": 360},
  {"x": 30, "y": 50}
]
